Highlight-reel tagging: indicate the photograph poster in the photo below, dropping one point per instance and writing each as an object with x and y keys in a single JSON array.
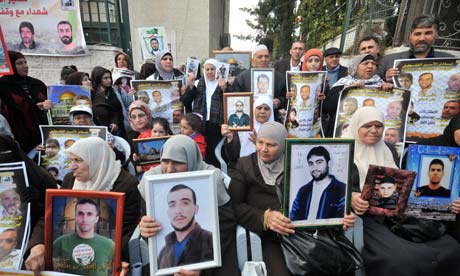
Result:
[
  {"x": 238, "y": 61},
  {"x": 45, "y": 27},
  {"x": 186, "y": 201},
  {"x": 152, "y": 40},
  {"x": 394, "y": 105},
  {"x": 5, "y": 63},
  {"x": 238, "y": 111},
  {"x": 437, "y": 183},
  {"x": 387, "y": 190},
  {"x": 56, "y": 139},
  {"x": 312, "y": 164},
  {"x": 302, "y": 118},
  {"x": 83, "y": 232},
  {"x": 263, "y": 82},
  {"x": 15, "y": 217},
  {"x": 435, "y": 94},
  {"x": 163, "y": 97},
  {"x": 28, "y": 272},
  {"x": 192, "y": 66},
  {"x": 148, "y": 149},
  {"x": 223, "y": 71},
  {"x": 64, "y": 97}
]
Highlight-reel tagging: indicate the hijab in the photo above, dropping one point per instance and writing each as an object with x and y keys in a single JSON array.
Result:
[
  {"x": 100, "y": 158},
  {"x": 447, "y": 138},
  {"x": 211, "y": 85},
  {"x": 139, "y": 105},
  {"x": 161, "y": 71},
  {"x": 247, "y": 145},
  {"x": 375, "y": 80},
  {"x": 277, "y": 133},
  {"x": 308, "y": 54},
  {"x": 364, "y": 155},
  {"x": 181, "y": 148}
]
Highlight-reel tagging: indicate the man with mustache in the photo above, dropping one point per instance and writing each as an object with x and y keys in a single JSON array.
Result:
[
  {"x": 324, "y": 196},
  {"x": 421, "y": 38},
  {"x": 65, "y": 35},
  {"x": 10, "y": 202},
  {"x": 188, "y": 243}
]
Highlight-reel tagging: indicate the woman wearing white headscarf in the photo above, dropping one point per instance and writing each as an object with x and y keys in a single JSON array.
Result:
[
  {"x": 385, "y": 253},
  {"x": 94, "y": 168},
  {"x": 208, "y": 102},
  {"x": 362, "y": 72},
  {"x": 180, "y": 154},
  {"x": 242, "y": 143},
  {"x": 255, "y": 200}
]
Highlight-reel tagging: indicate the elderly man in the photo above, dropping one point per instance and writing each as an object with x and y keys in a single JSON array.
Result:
[
  {"x": 10, "y": 202},
  {"x": 294, "y": 63},
  {"x": 335, "y": 71},
  {"x": 453, "y": 85},
  {"x": 261, "y": 59},
  {"x": 450, "y": 109},
  {"x": 421, "y": 38}
]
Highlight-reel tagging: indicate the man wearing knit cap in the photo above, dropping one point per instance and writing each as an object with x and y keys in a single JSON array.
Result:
[
  {"x": 261, "y": 59},
  {"x": 335, "y": 71}
]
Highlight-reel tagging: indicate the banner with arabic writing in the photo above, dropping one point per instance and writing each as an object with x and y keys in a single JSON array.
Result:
[{"x": 46, "y": 27}]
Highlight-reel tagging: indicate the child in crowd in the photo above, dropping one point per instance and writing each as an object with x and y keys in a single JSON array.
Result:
[
  {"x": 190, "y": 125},
  {"x": 388, "y": 194}
]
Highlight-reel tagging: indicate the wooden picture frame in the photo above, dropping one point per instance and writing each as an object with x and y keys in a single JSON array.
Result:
[
  {"x": 61, "y": 218},
  {"x": 5, "y": 63},
  {"x": 387, "y": 190},
  {"x": 165, "y": 195},
  {"x": 143, "y": 149},
  {"x": 266, "y": 77},
  {"x": 239, "y": 122},
  {"x": 306, "y": 161}
]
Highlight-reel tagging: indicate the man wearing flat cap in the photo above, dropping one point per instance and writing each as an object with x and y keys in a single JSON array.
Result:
[{"x": 335, "y": 71}]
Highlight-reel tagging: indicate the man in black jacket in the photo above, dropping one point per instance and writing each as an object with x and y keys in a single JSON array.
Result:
[
  {"x": 335, "y": 71},
  {"x": 294, "y": 63},
  {"x": 421, "y": 38}
]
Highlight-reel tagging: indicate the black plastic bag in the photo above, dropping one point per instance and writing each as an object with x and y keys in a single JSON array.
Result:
[
  {"x": 416, "y": 229},
  {"x": 325, "y": 252}
]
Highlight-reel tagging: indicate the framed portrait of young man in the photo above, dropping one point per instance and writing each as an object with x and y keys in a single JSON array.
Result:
[
  {"x": 83, "y": 232},
  {"x": 387, "y": 190},
  {"x": 238, "y": 111},
  {"x": 148, "y": 149},
  {"x": 263, "y": 82},
  {"x": 317, "y": 191},
  {"x": 185, "y": 204}
]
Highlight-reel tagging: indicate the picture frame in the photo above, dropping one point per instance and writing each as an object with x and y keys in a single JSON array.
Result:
[
  {"x": 387, "y": 190},
  {"x": 166, "y": 191},
  {"x": 244, "y": 120},
  {"x": 238, "y": 60},
  {"x": 56, "y": 139},
  {"x": 14, "y": 214},
  {"x": 163, "y": 97},
  {"x": 192, "y": 66},
  {"x": 306, "y": 160},
  {"x": 5, "y": 63},
  {"x": 263, "y": 82},
  {"x": 143, "y": 149},
  {"x": 437, "y": 183},
  {"x": 431, "y": 104},
  {"x": 145, "y": 36},
  {"x": 90, "y": 222},
  {"x": 28, "y": 272},
  {"x": 222, "y": 72}
]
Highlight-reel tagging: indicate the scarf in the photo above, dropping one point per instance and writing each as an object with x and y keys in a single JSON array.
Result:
[
  {"x": 181, "y": 148},
  {"x": 308, "y": 54},
  {"x": 161, "y": 71},
  {"x": 278, "y": 134},
  {"x": 104, "y": 169},
  {"x": 375, "y": 80},
  {"x": 211, "y": 85},
  {"x": 364, "y": 155}
]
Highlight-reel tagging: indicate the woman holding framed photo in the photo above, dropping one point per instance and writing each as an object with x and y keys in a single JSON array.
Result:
[
  {"x": 385, "y": 252},
  {"x": 181, "y": 154}
]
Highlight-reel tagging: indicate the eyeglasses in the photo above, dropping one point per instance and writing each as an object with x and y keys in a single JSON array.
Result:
[{"x": 140, "y": 116}]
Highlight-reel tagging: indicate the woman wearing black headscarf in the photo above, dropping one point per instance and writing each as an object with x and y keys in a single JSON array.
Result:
[{"x": 23, "y": 102}]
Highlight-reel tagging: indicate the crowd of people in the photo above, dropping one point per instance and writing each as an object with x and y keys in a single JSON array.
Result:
[{"x": 255, "y": 158}]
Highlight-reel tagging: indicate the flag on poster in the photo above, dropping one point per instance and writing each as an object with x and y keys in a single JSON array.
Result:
[{"x": 48, "y": 27}]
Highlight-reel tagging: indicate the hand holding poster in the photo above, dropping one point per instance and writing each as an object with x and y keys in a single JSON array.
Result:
[
  {"x": 435, "y": 94},
  {"x": 48, "y": 27},
  {"x": 238, "y": 61},
  {"x": 437, "y": 183},
  {"x": 302, "y": 119},
  {"x": 152, "y": 40}
]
